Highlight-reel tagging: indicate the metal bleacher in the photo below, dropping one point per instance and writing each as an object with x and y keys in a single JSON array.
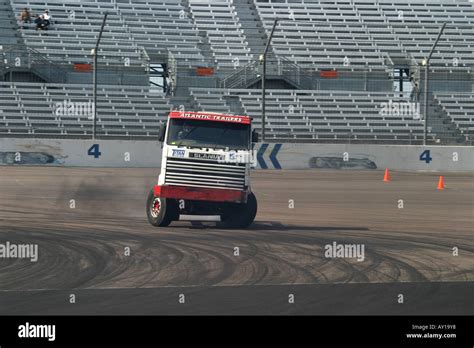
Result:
[
  {"x": 74, "y": 31},
  {"x": 218, "y": 19},
  {"x": 361, "y": 40},
  {"x": 163, "y": 27},
  {"x": 460, "y": 108},
  {"x": 65, "y": 110},
  {"x": 326, "y": 34},
  {"x": 324, "y": 116},
  {"x": 416, "y": 25}
]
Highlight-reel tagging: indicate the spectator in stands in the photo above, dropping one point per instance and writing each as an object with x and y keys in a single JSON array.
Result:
[
  {"x": 43, "y": 21},
  {"x": 25, "y": 17},
  {"x": 46, "y": 19},
  {"x": 46, "y": 15},
  {"x": 39, "y": 22}
]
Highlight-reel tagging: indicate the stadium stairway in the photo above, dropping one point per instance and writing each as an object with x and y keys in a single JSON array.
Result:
[
  {"x": 226, "y": 103},
  {"x": 252, "y": 26},
  {"x": 278, "y": 69},
  {"x": 205, "y": 45},
  {"x": 12, "y": 47},
  {"x": 9, "y": 26},
  {"x": 382, "y": 33},
  {"x": 9, "y": 37},
  {"x": 442, "y": 125},
  {"x": 181, "y": 103}
]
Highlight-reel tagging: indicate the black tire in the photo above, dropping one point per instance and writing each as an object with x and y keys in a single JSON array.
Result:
[
  {"x": 240, "y": 215},
  {"x": 161, "y": 211}
]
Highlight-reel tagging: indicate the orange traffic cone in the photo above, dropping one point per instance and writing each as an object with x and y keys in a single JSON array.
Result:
[
  {"x": 441, "y": 183},
  {"x": 386, "y": 177}
]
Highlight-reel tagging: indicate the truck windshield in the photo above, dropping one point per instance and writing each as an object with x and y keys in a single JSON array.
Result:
[{"x": 198, "y": 133}]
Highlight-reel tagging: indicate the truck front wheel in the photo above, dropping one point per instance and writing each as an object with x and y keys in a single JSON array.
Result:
[
  {"x": 161, "y": 211},
  {"x": 240, "y": 215}
]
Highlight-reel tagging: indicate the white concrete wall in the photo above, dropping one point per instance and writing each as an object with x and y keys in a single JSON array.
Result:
[
  {"x": 397, "y": 157},
  {"x": 75, "y": 152},
  {"x": 288, "y": 156}
]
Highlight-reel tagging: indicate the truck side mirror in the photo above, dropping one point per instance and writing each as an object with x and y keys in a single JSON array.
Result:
[
  {"x": 255, "y": 136},
  {"x": 162, "y": 132}
]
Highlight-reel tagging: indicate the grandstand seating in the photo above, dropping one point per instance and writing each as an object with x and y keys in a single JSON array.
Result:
[
  {"x": 417, "y": 24},
  {"x": 74, "y": 30},
  {"x": 122, "y": 111},
  {"x": 358, "y": 37},
  {"x": 364, "y": 31},
  {"x": 163, "y": 27},
  {"x": 319, "y": 115},
  {"x": 460, "y": 108},
  {"x": 218, "y": 19},
  {"x": 320, "y": 34},
  {"x": 28, "y": 108}
]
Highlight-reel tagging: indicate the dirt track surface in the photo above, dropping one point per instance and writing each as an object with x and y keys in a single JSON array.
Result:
[{"x": 408, "y": 251}]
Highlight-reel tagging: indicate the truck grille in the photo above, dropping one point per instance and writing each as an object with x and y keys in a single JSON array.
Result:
[{"x": 204, "y": 173}]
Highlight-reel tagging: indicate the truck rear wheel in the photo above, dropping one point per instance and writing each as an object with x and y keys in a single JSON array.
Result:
[
  {"x": 240, "y": 215},
  {"x": 161, "y": 211}
]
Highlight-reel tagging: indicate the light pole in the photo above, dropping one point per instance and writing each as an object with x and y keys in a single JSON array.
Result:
[
  {"x": 94, "y": 76},
  {"x": 263, "y": 58},
  {"x": 426, "y": 64}
]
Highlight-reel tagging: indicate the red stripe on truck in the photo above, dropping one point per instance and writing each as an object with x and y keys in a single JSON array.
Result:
[
  {"x": 209, "y": 116},
  {"x": 199, "y": 194}
]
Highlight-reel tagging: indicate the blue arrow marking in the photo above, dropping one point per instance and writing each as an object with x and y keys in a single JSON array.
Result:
[
  {"x": 260, "y": 159},
  {"x": 273, "y": 155}
]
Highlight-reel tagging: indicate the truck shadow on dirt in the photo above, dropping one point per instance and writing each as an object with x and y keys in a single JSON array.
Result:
[
  {"x": 269, "y": 226},
  {"x": 278, "y": 226}
]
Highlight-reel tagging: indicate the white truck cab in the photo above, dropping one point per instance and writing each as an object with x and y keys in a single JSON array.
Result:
[{"x": 205, "y": 170}]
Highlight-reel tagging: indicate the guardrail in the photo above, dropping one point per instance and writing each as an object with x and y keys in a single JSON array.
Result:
[
  {"x": 276, "y": 67},
  {"x": 20, "y": 58}
]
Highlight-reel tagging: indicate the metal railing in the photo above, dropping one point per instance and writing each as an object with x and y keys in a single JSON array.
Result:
[
  {"x": 295, "y": 74},
  {"x": 276, "y": 67},
  {"x": 26, "y": 58},
  {"x": 243, "y": 77},
  {"x": 14, "y": 59},
  {"x": 46, "y": 68}
]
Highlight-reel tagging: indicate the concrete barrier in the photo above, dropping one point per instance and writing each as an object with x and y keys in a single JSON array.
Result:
[
  {"x": 351, "y": 156},
  {"x": 121, "y": 153},
  {"x": 83, "y": 153}
]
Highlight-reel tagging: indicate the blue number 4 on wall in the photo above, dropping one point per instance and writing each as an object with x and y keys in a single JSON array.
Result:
[
  {"x": 94, "y": 151},
  {"x": 425, "y": 156}
]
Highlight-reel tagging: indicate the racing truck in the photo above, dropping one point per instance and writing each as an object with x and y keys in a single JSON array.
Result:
[{"x": 205, "y": 170}]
